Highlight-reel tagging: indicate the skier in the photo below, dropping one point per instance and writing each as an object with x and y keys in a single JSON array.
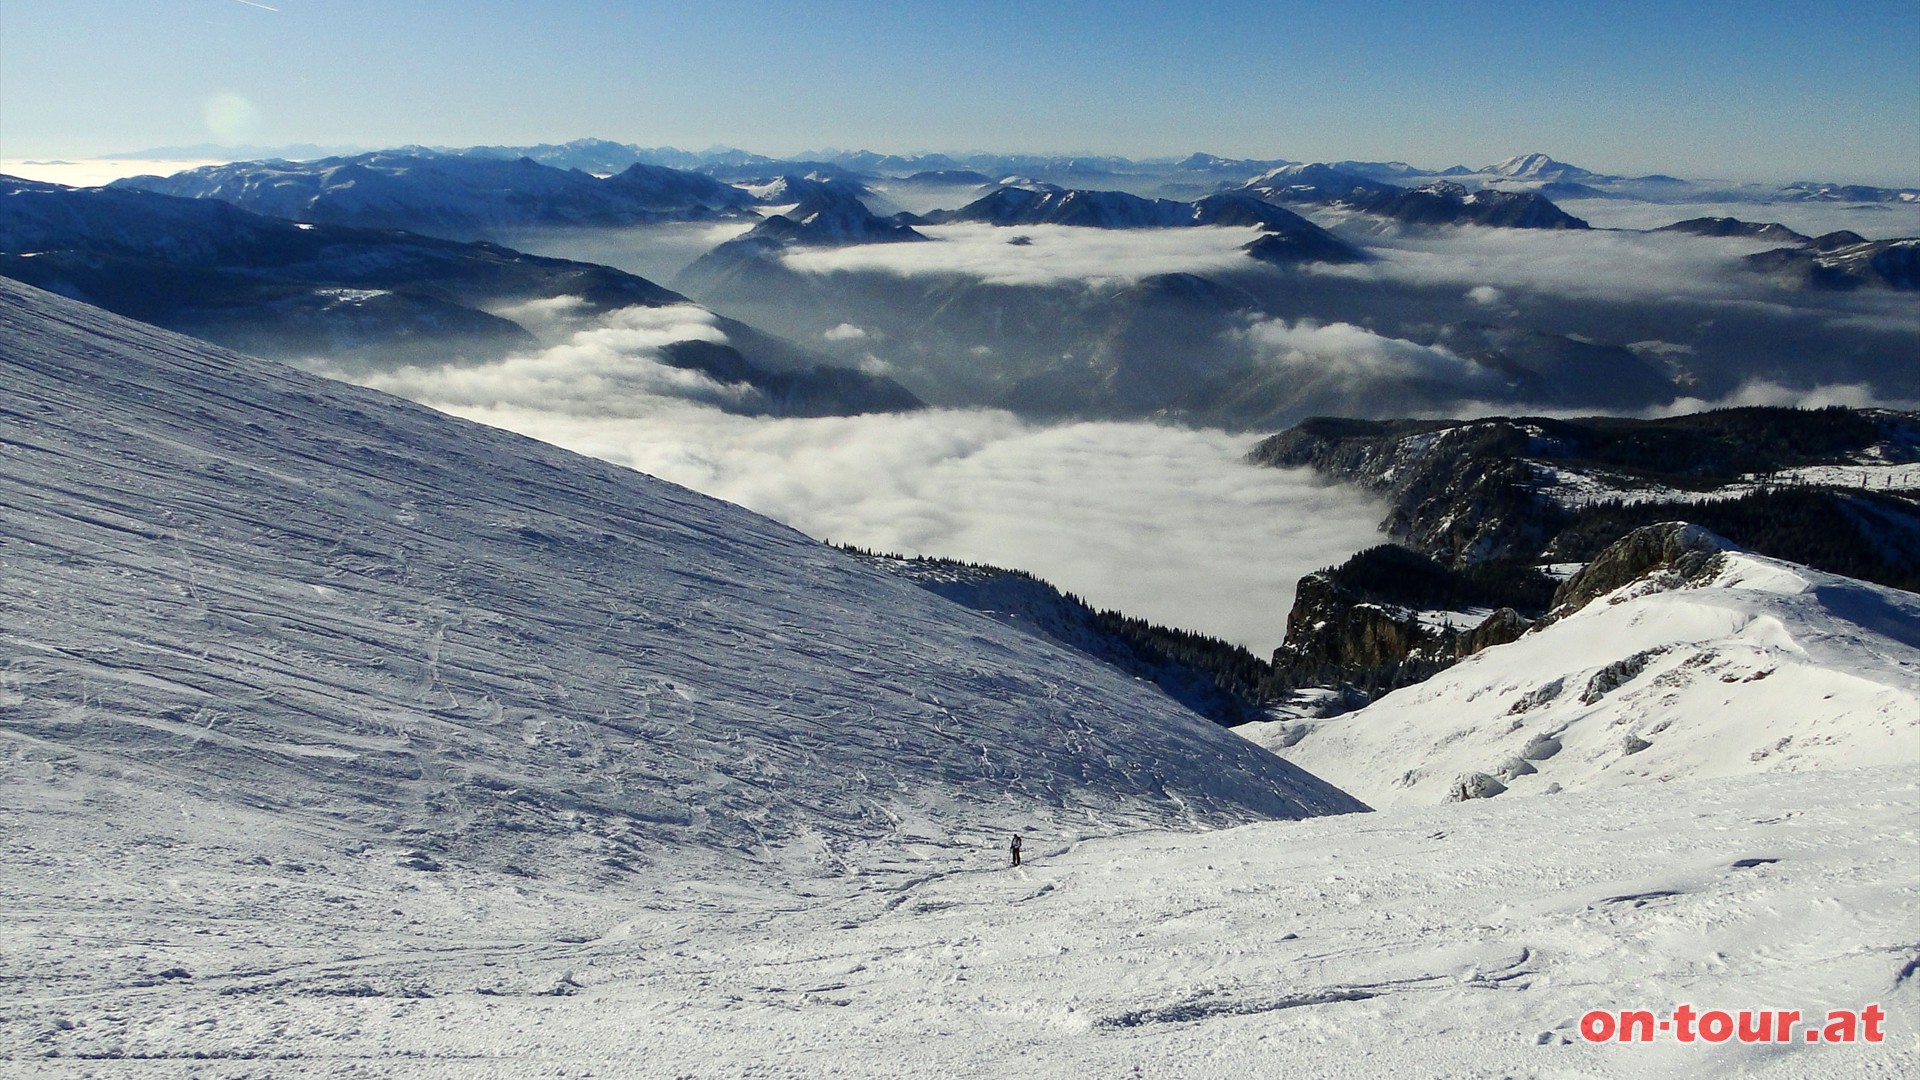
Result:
[{"x": 1015, "y": 846}]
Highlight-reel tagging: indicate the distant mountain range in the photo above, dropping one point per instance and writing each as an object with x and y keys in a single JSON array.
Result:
[
  {"x": 1049, "y": 204},
  {"x": 358, "y": 297},
  {"x": 1502, "y": 488},
  {"x": 1537, "y": 167},
  {"x": 1845, "y": 261},
  {"x": 1243, "y": 339},
  {"x": 1186, "y": 177},
  {"x": 459, "y": 197}
]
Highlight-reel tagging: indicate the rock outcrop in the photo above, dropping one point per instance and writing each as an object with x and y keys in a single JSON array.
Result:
[{"x": 1685, "y": 553}]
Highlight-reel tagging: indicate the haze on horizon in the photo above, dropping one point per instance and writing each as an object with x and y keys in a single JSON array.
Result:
[{"x": 1745, "y": 91}]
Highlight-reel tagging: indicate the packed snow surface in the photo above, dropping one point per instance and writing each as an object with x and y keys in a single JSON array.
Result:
[{"x": 1461, "y": 940}]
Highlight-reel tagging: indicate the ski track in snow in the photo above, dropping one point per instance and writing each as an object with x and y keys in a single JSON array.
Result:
[{"x": 1457, "y": 940}]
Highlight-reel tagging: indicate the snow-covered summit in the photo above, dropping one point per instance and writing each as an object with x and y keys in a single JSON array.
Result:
[
  {"x": 1726, "y": 665},
  {"x": 1537, "y": 167}
]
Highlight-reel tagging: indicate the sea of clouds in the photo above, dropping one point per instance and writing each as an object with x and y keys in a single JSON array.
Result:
[
  {"x": 1162, "y": 522},
  {"x": 1040, "y": 254}
]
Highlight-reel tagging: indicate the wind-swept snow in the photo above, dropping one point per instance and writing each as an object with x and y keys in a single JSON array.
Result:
[
  {"x": 1766, "y": 666},
  {"x": 275, "y": 590}
]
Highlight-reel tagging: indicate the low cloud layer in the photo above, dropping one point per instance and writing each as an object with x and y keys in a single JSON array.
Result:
[
  {"x": 613, "y": 369},
  {"x": 1354, "y": 355},
  {"x": 1342, "y": 368},
  {"x": 1161, "y": 522},
  {"x": 1563, "y": 263},
  {"x": 1765, "y": 392},
  {"x": 655, "y": 252},
  {"x": 1047, "y": 254},
  {"x": 1875, "y": 221}
]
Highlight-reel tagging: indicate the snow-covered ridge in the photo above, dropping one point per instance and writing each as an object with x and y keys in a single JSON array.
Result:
[
  {"x": 1763, "y": 666},
  {"x": 256, "y": 587},
  {"x": 1572, "y": 487},
  {"x": 1537, "y": 167},
  {"x": 456, "y": 196}
]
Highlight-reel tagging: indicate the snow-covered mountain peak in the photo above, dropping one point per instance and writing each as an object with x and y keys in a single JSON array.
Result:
[
  {"x": 1707, "y": 662},
  {"x": 1536, "y": 167}
]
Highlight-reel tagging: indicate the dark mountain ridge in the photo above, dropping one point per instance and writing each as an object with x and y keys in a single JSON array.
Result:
[
  {"x": 1727, "y": 226},
  {"x": 1438, "y": 203},
  {"x": 1470, "y": 491},
  {"x": 1291, "y": 238},
  {"x": 1843, "y": 262},
  {"x": 358, "y": 298}
]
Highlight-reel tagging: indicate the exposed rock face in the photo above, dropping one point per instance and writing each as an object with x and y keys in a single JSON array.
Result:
[
  {"x": 1687, "y": 553},
  {"x": 1482, "y": 498},
  {"x": 1331, "y": 638},
  {"x": 1338, "y": 637},
  {"x": 1474, "y": 785},
  {"x": 1499, "y": 628}
]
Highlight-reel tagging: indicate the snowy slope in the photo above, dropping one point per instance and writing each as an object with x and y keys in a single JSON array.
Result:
[
  {"x": 259, "y": 588},
  {"x": 1766, "y": 667},
  {"x": 1455, "y": 941},
  {"x": 336, "y": 737}
]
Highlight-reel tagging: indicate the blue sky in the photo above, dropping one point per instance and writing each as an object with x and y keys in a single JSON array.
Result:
[{"x": 1747, "y": 90}]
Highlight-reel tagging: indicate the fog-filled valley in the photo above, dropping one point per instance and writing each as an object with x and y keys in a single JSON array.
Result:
[{"x": 1042, "y": 363}]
